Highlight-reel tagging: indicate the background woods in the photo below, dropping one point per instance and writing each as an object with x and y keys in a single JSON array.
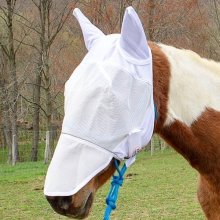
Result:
[{"x": 41, "y": 44}]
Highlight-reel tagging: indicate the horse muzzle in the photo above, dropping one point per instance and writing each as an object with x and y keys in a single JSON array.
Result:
[{"x": 65, "y": 205}]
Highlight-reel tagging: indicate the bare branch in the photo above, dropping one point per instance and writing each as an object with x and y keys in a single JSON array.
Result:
[
  {"x": 4, "y": 48},
  {"x": 34, "y": 84},
  {"x": 30, "y": 27},
  {"x": 27, "y": 44},
  {"x": 3, "y": 18},
  {"x": 60, "y": 24},
  {"x": 34, "y": 2},
  {"x": 3, "y": 9},
  {"x": 34, "y": 104},
  {"x": 20, "y": 42},
  {"x": 217, "y": 14}
]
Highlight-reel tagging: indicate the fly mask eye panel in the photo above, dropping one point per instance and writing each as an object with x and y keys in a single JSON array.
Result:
[
  {"x": 109, "y": 109},
  {"x": 112, "y": 101}
]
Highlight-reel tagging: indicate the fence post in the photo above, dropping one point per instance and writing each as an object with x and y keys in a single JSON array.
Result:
[
  {"x": 14, "y": 141},
  {"x": 47, "y": 153},
  {"x": 164, "y": 145}
]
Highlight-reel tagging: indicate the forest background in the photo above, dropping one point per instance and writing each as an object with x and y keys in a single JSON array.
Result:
[{"x": 41, "y": 44}]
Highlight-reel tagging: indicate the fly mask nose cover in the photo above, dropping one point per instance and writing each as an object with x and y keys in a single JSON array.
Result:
[{"x": 109, "y": 109}]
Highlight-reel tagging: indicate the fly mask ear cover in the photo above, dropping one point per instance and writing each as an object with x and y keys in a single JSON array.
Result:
[{"x": 109, "y": 109}]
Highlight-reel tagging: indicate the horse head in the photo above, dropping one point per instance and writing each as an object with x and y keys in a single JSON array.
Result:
[{"x": 109, "y": 113}]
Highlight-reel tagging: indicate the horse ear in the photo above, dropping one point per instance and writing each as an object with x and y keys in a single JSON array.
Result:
[
  {"x": 90, "y": 32},
  {"x": 133, "y": 40}
]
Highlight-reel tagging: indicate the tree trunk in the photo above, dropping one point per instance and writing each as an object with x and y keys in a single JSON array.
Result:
[
  {"x": 7, "y": 123},
  {"x": 48, "y": 32},
  {"x": 152, "y": 6},
  {"x": 48, "y": 99},
  {"x": 38, "y": 81},
  {"x": 13, "y": 75},
  {"x": 36, "y": 113},
  {"x": 5, "y": 108}
]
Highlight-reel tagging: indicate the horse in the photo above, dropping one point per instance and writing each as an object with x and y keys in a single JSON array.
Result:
[{"x": 187, "y": 96}]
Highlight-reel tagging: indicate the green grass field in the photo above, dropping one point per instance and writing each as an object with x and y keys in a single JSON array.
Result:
[{"x": 159, "y": 187}]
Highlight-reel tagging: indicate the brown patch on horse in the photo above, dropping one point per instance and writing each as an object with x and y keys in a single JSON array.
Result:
[
  {"x": 209, "y": 199},
  {"x": 207, "y": 129},
  {"x": 161, "y": 77},
  {"x": 200, "y": 145},
  {"x": 93, "y": 185},
  {"x": 182, "y": 139},
  {"x": 105, "y": 174}
]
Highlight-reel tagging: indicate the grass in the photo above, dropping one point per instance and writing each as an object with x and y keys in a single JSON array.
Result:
[{"x": 159, "y": 187}]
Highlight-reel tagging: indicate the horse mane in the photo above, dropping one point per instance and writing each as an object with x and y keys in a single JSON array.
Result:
[{"x": 208, "y": 64}]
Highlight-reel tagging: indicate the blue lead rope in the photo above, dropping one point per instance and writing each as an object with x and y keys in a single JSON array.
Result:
[{"x": 113, "y": 193}]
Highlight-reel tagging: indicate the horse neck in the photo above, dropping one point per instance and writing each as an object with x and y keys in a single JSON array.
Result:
[
  {"x": 186, "y": 123},
  {"x": 161, "y": 76}
]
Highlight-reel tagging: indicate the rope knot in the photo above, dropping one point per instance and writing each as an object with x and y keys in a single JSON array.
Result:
[
  {"x": 111, "y": 202},
  {"x": 117, "y": 180}
]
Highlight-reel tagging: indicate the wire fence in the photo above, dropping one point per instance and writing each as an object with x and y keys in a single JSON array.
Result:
[
  {"x": 156, "y": 144},
  {"x": 25, "y": 137}
]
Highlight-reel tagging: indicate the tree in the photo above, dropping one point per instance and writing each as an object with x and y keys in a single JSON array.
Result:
[
  {"x": 47, "y": 31},
  {"x": 9, "y": 50},
  {"x": 6, "y": 123},
  {"x": 209, "y": 11}
]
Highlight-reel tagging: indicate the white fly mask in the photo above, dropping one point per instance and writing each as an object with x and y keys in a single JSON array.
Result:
[{"x": 109, "y": 109}]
